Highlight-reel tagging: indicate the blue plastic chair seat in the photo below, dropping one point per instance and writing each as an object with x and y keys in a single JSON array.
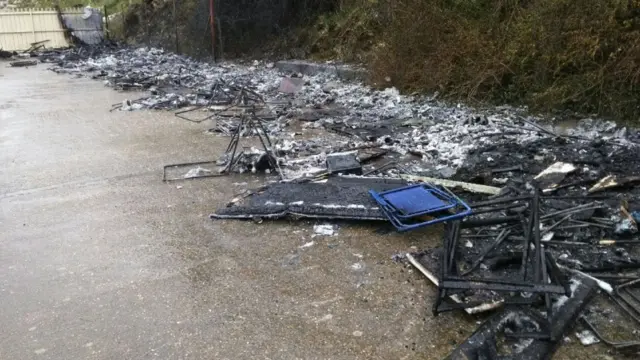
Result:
[
  {"x": 416, "y": 200},
  {"x": 407, "y": 207}
]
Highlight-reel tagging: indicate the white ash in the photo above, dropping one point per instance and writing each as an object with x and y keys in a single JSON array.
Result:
[
  {"x": 574, "y": 284},
  {"x": 273, "y": 203},
  {"x": 335, "y": 206},
  {"x": 521, "y": 322}
]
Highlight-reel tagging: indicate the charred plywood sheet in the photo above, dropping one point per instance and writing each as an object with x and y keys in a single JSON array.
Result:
[{"x": 337, "y": 198}]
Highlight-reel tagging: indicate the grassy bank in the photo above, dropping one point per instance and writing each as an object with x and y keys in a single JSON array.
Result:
[{"x": 581, "y": 55}]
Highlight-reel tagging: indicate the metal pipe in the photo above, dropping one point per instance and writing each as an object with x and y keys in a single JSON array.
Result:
[
  {"x": 618, "y": 345},
  {"x": 557, "y": 223},
  {"x": 592, "y": 224},
  {"x": 212, "y": 22},
  {"x": 503, "y": 235},
  {"x": 175, "y": 26},
  {"x": 577, "y": 209},
  {"x": 473, "y": 223},
  {"x": 528, "y": 235},
  {"x": 498, "y": 209},
  {"x": 498, "y": 201}
]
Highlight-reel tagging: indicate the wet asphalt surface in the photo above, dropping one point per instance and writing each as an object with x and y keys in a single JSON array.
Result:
[{"x": 99, "y": 259}]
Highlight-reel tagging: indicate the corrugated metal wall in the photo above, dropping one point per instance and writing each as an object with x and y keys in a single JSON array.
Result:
[{"x": 85, "y": 25}]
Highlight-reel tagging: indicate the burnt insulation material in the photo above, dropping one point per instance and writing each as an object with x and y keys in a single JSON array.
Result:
[
  {"x": 337, "y": 198},
  {"x": 486, "y": 342}
]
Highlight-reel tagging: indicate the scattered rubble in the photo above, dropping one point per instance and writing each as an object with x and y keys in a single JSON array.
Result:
[
  {"x": 497, "y": 338},
  {"x": 291, "y": 85},
  {"x": 554, "y": 215},
  {"x": 7, "y": 54},
  {"x": 429, "y": 137},
  {"x": 23, "y": 63}
]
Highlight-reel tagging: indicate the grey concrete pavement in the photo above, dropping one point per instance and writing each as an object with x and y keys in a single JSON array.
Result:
[{"x": 101, "y": 260}]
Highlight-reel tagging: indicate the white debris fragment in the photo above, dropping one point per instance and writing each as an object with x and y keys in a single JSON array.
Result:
[
  {"x": 324, "y": 230},
  {"x": 626, "y": 226},
  {"x": 325, "y": 318},
  {"x": 306, "y": 245},
  {"x": 197, "y": 172},
  {"x": 336, "y": 206},
  {"x": 587, "y": 338},
  {"x": 500, "y": 181},
  {"x": 556, "y": 168}
]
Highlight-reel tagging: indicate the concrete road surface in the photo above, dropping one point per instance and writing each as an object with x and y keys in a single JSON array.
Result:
[{"x": 99, "y": 259}]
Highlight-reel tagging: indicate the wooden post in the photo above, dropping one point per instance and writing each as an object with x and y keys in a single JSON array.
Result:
[
  {"x": 175, "y": 26},
  {"x": 220, "y": 44},
  {"x": 106, "y": 21},
  {"x": 212, "y": 21},
  {"x": 63, "y": 26}
]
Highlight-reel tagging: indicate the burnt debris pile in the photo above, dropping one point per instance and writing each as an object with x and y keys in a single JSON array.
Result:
[
  {"x": 428, "y": 136},
  {"x": 565, "y": 217},
  {"x": 551, "y": 214}
]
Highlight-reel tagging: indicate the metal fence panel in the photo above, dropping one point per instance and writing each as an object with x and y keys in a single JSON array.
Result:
[{"x": 21, "y": 27}]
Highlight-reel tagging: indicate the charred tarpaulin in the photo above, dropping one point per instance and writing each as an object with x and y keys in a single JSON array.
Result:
[{"x": 339, "y": 197}]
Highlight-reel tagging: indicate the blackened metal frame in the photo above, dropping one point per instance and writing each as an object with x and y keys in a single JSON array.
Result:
[
  {"x": 247, "y": 100},
  {"x": 546, "y": 278}
]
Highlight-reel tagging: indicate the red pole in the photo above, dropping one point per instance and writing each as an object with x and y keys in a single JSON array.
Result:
[{"x": 212, "y": 17}]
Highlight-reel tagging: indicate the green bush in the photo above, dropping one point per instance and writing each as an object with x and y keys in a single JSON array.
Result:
[{"x": 581, "y": 55}]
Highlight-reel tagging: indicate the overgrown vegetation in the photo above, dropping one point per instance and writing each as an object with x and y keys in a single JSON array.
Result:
[{"x": 580, "y": 55}]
